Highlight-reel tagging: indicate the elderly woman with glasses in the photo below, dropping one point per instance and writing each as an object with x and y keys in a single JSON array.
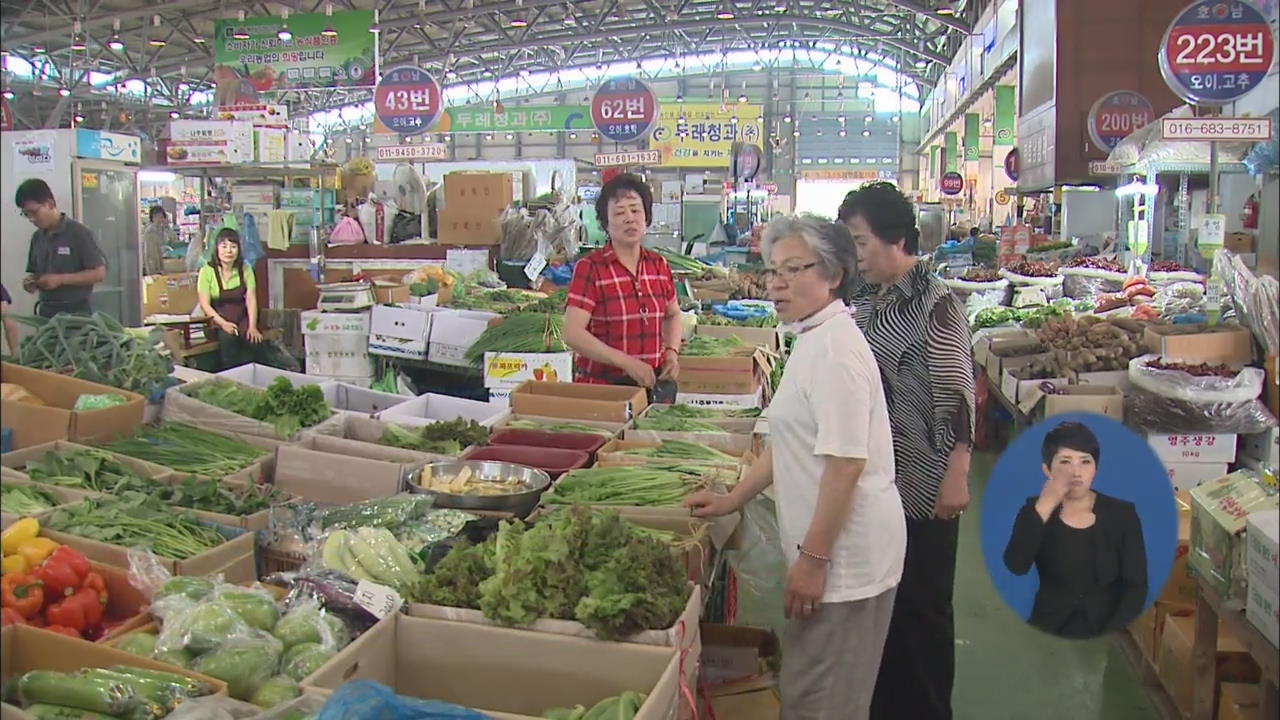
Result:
[{"x": 831, "y": 465}]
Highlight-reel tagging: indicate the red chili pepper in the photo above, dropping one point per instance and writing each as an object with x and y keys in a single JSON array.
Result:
[
  {"x": 63, "y": 630},
  {"x": 9, "y": 616},
  {"x": 63, "y": 572}
]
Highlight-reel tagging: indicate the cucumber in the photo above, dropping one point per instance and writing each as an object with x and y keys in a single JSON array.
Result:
[
  {"x": 95, "y": 694},
  {"x": 189, "y": 685},
  {"x": 43, "y": 711},
  {"x": 164, "y": 694}
]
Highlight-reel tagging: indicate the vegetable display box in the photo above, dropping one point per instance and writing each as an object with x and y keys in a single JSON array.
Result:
[
  {"x": 578, "y": 442},
  {"x": 456, "y": 663},
  {"x": 181, "y": 405},
  {"x": 234, "y": 559},
  {"x": 431, "y": 407},
  {"x": 574, "y": 401},
  {"x": 553, "y": 461},
  {"x": 56, "y": 419}
]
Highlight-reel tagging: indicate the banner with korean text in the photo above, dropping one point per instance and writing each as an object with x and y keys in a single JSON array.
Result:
[
  {"x": 313, "y": 57},
  {"x": 702, "y": 134}
]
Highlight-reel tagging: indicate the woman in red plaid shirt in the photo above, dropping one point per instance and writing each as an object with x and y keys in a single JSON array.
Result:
[{"x": 622, "y": 319}]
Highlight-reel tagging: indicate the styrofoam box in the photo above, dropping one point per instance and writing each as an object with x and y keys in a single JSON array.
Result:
[
  {"x": 261, "y": 376},
  {"x": 401, "y": 331},
  {"x": 1262, "y": 548},
  {"x": 430, "y": 408},
  {"x": 453, "y": 332},
  {"x": 1194, "y": 447},
  {"x": 1262, "y": 608},
  {"x": 338, "y": 355},
  {"x": 500, "y": 397},
  {"x": 1264, "y": 447},
  {"x": 315, "y": 322},
  {"x": 710, "y": 400},
  {"x": 1185, "y": 476},
  {"x": 360, "y": 399}
]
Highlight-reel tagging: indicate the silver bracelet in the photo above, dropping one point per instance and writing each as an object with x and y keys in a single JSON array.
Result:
[{"x": 815, "y": 556}]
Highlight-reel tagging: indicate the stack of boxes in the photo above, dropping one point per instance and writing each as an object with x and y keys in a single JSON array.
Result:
[
  {"x": 1262, "y": 563},
  {"x": 337, "y": 346},
  {"x": 473, "y": 203},
  {"x": 727, "y": 382},
  {"x": 256, "y": 200}
]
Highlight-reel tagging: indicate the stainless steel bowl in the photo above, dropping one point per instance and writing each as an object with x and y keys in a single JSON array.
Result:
[{"x": 520, "y": 504}]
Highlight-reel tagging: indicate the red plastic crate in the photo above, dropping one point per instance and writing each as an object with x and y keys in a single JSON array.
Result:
[
  {"x": 581, "y": 442},
  {"x": 553, "y": 461}
]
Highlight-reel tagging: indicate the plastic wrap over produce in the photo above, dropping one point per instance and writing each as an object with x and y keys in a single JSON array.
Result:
[
  {"x": 1052, "y": 286},
  {"x": 758, "y": 563},
  {"x": 1148, "y": 412},
  {"x": 1178, "y": 300},
  {"x": 362, "y": 699},
  {"x": 979, "y": 301},
  {"x": 1207, "y": 387},
  {"x": 1145, "y": 145},
  {"x": 1086, "y": 284},
  {"x": 554, "y": 232},
  {"x": 1254, "y": 298}
]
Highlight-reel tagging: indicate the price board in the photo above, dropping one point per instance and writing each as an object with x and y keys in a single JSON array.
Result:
[
  {"x": 1117, "y": 114},
  {"x": 624, "y": 109},
  {"x": 407, "y": 100},
  {"x": 951, "y": 183},
  {"x": 1216, "y": 128},
  {"x": 1216, "y": 51}
]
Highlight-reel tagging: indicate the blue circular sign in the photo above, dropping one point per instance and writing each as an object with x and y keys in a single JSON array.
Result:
[
  {"x": 407, "y": 100},
  {"x": 1216, "y": 52},
  {"x": 624, "y": 109}
]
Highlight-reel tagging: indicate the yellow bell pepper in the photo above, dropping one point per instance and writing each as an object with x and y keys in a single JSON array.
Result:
[
  {"x": 36, "y": 550},
  {"x": 13, "y": 564},
  {"x": 18, "y": 533}
]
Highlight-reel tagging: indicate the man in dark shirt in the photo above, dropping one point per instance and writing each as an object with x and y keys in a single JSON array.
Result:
[{"x": 64, "y": 261}]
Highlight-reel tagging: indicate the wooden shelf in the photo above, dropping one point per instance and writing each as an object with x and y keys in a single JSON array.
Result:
[
  {"x": 1211, "y": 607},
  {"x": 1159, "y": 696}
]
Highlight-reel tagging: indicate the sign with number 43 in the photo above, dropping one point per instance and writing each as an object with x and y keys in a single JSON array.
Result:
[{"x": 378, "y": 599}]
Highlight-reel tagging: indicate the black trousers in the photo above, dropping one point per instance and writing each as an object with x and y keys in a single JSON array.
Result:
[
  {"x": 919, "y": 663},
  {"x": 49, "y": 309}
]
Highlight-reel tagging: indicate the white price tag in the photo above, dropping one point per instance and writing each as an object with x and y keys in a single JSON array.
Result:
[
  {"x": 1213, "y": 230},
  {"x": 377, "y": 599},
  {"x": 535, "y": 266}
]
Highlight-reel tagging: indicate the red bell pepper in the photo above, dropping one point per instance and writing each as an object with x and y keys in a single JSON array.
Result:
[
  {"x": 80, "y": 611},
  {"x": 95, "y": 581},
  {"x": 9, "y": 616},
  {"x": 63, "y": 572},
  {"x": 63, "y": 630},
  {"x": 22, "y": 592}
]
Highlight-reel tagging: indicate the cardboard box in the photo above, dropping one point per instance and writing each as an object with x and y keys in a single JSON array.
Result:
[
  {"x": 261, "y": 376},
  {"x": 1239, "y": 701},
  {"x": 1185, "y": 476},
  {"x": 1240, "y": 243},
  {"x": 400, "y": 331},
  {"x": 169, "y": 294},
  {"x": 453, "y": 332},
  {"x": 338, "y": 355},
  {"x": 983, "y": 338},
  {"x": 1180, "y": 588},
  {"x": 1118, "y": 379},
  {"x": 1173, "y": 663},
  {"x": 469, "y": 227},
  {"x": 1027, "y": 392},
  {"x": 430, "y": 408},
  {"x": 608, "y": 403},
  {"x": 1200, "y": 344},
  {"x": 509, "y": 370},
  {"x": 1197, "y": 448},
  {"x": 64, "y": 496},
  {"x": 334, "y": 479},
  {"x": 1263, "y": 447},
  {"x": 360, "y": 438},
  {"x": 1262, "y": 609},
  {"x": 24, "y": 648},
  {"x": 613, "y": 428},
  {"x": 358, "y": 399},
  {"x": 233, "y": 559},
  {"x": 721, "y": 375},
  {"x": 315, "y": 322},
  {"x": 766, "y": 338},
  {"x": 456, "y": 663},
  {"x": 1219, "y": 509},
  {"x": 734, "y": 658},
  {"x": 486, "y": 190},
  {"x": 1099, "y": 399},
  {"x": 55, "y": 420},
  {"x": 1007, "y": 354},
  {"x": 270, "y": 144},
  {"x": 180, "y": 406},
  {"x": 391, "y": 293},
  {"x": 714, "y": 400},
  {"x": 1262, "y": 549}
]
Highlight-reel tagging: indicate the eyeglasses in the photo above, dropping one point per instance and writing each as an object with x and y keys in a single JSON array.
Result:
[
  {"x": 786, "y": 273},
  {"x": 31, "y": 213}
]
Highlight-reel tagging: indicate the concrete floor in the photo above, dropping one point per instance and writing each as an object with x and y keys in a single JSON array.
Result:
[{"x": 1005, "y": 670}]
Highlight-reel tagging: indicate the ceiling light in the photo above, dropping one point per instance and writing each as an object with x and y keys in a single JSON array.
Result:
[
  {"x": 568, "y": 16},
  {"x": 37, "y": 48},
  {"x": 922, "y": 63},
  {"x": 375, "y": 28},
  {"x": 174, "y": 115},
  {"x": 819, "y": 132},
  {"x": 77, "y": 37},
  {"x": 679, "y": 98},
  {"x": 726, "y": 11},
  {"x": 451, "y": 74},
  {"x": 198, "y": 39},
  {"x": 348, "y": 139},
  {"x": 284, "y": 34},
  {"x": 734, "y": 120},
  {"x": 510, "y": 136},
  {"x": 78, "y": 118},
  {"x": 760, "y": 119},
  {"x": 7, "y": 94},
  {"x": 843, "y": 132},
  {"x": 328, "y": 30},
  {"x": 866, "y": 133},
  {"x": 156, "y": 41},
  {"x": 573, "y": 136},
  {"x": 867, "y": 119},
  {"x": 519, "y": 22},
  {"x": 742, "y": 98},
  {"x": 786, "y": 118},
  {"x": 63, "y": 91},
  {"x": 944, "y": 8},
  {"x": 115, "y": 43},
  {"x": 524, "y": 72},
  {"x": 240, "y": 32},
  {"x": 840, "y": 118},
  {"x": 797, "y": 132},
  {"x": 757, "y": 67},
  {"x": 489, "y": 136}
]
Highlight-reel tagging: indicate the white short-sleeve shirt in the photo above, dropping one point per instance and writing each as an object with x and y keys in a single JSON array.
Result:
[{"x": 831, "y": 403}]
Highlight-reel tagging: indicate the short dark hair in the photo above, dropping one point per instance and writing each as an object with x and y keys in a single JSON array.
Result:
[
  {"x": 33, "y": 190},
  {"x": 974, "y": 231},
  {"x": 1070, "y": 436},
  {"x": 625, "y": 183},
  {"x": 227, "y": 234},
  {"x": 157, "y": 210},
  {"x": 887, "y": 211}
]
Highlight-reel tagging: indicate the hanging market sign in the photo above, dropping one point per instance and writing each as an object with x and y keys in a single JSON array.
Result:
[
  {"x": 407, "y": 100},
  {"x": 1216, "y": 128},
  {"x": 1117, "y": 114},
  {"x": 624, "y": 109},
  {"x": 397, "y": 153},
  {"x": 311, "y": 59},
  {"x": 1006, "y": 114},
  {"x": 972, "y": 123},
  {"x": 525, "y": 118},
  {"x": 703, "y": 134},
  {"x": 1011, "y": 164},
  {"x": 634, "y": 157},
  {"x": 6, "y": 116},
  {"x": 951, "y": 183},
  {"x": 1216, "y": 52}
]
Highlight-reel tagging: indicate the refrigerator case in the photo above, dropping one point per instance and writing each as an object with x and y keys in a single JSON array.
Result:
[{"x": 94, "y": 178}]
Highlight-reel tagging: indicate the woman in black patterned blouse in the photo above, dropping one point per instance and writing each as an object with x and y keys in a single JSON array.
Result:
[{"x": 920, "y": 338}]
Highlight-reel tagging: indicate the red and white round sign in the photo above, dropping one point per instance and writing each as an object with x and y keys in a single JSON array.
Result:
[
  {"x": 407, "y": 100},
  {"x": 1217, "y": 51},
  {"x": 624, "y": 109},
  {"x": 951, "y": 183},
  {"x": 1117, "y": 114}
]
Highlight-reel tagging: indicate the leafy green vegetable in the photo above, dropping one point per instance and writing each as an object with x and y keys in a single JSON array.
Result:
[
  {"x": 188, "y": 449},
  {"x": 694, "y": 411},
  {"x": 682, "y": 450},
  {"x": 96, "y": 348},
  {"x": 212, "y": 496},
  {"x": 134, "y": 520},
  {"x": 565, "y": 427},
  {"x": 522, "y": 332},
  {"x": 992, "y": 317},
  {"x": 635, "y": 486},
  {"x": 707, "y": 346},
  {"x": 88, "y": 469},
  {"x": 667, "y": 423},
  {"x": 448, "y": 437},
  {"x": 25, "y": 499},
  {"x": 288, "y": 408}
]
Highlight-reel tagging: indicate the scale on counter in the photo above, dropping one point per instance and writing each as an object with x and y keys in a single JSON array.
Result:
[{"x": 345, "y": 296}]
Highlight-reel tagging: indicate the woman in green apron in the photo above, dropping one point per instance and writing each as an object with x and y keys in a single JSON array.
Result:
[{"x": 227, "y": 297}]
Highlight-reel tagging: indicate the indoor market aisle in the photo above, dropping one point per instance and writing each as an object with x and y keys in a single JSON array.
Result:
[{"x": 1005, "y": 670}]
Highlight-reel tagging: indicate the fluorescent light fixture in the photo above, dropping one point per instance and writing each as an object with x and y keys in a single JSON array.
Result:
[
  {"x": 328, "y": 30},
  {"x": 63, "y": 91},
  {"x": 240, "y": 32},
  {"x": 284, "y": 33},
  {"x": 944, "y": 8},
  {"x": 375, "y": 28},
  {"x": 1137, "y": 187},
  {"x": 156, "y": 41},
  {"x": 174, "y": 115},
  {"x": 726, "y": 11},
  {"x": 156, "y": 176}
]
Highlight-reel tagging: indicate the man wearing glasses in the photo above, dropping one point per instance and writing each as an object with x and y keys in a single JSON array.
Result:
[{"x": 64, "y": 262}]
